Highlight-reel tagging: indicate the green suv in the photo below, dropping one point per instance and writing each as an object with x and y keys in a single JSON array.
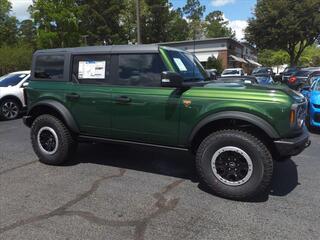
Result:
[{"x": 162, "y": 97}]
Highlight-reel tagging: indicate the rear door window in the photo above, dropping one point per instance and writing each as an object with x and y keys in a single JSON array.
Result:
[
  {"x": 49, "y": 67},
  {"x": 91, "y": 69}
]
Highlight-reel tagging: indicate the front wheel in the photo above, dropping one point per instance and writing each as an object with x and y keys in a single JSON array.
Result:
[
  {"x": 51, "y": 140},
  {"x": 234, "y": 164}
]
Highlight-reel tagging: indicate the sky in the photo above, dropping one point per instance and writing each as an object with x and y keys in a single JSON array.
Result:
[{"x": 236, "y": 12}]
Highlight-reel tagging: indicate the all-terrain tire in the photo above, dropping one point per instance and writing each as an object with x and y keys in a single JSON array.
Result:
[
  {"x": 256, "y": 150},
  {"x": 63, "y": 143}
]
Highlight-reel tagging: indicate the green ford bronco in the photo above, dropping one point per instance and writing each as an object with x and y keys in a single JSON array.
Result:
[{"x": 162, "y": 97}]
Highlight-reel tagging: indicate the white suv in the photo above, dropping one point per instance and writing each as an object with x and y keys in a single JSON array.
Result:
[{"x": 11, "y": 94}]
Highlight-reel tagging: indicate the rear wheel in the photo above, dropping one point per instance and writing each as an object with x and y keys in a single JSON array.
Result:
[
  {"x": 234, "y": 164},
  {"x": 9, "y": 109},
  {"x": 51, "y": 140}
]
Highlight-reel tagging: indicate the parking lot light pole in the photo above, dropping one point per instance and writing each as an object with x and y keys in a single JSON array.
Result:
[{"x": 138, "y": 21}]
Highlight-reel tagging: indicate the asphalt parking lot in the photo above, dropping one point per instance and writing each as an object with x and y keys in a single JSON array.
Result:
[{"x": 121, "y": 192}]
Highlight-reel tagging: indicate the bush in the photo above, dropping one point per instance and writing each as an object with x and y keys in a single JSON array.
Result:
[
  {"x": 15, "y": 58},
  {"x": 214, "y": 63}
]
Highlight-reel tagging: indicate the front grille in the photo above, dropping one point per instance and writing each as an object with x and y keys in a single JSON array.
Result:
[
  {"x": 317, "y": 117},
  {"x": 316, "y": 105}
]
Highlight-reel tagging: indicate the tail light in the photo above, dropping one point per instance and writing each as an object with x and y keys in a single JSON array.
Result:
[{"x": 292, "y": 79}]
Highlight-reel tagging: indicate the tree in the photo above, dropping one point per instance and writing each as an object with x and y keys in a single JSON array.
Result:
[
  {"x": 215, "y": 63},
  {"x": 101, "y": 21},
  {"x": 290, "y": 25},
  {"x": 178, "y": 28},
  {"x": 8, "y": 24},
  {"x": 217, "y": 26},
  {"x": 194, "y": 12},
  {"x": 311, "y": 56},
  {"x": 57, "y": 22},
  {"x": 155, "y": 21},
  {"x": 27, "y": 32}
]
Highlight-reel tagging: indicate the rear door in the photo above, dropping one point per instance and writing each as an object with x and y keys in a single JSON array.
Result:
[
  {"x": 89, "y": 96},
  {"x": 142, "y": 110}
]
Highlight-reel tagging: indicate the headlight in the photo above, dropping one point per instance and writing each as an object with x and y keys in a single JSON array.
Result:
[{"x": 298, "y": 115}]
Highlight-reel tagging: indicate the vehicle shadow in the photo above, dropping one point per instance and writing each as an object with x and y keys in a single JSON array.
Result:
[{"x": 173, "y": 163}]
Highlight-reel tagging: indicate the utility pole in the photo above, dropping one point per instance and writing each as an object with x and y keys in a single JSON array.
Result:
[{"x": 138, "y": 21}]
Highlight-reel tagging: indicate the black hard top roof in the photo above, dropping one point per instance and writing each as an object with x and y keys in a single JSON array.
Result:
[{"x": 141, "y": 48}]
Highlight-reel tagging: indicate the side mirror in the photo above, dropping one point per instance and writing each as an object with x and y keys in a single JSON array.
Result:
[
  {"x": 25, "y": 84},
  {"x": 171, "y": 79}
]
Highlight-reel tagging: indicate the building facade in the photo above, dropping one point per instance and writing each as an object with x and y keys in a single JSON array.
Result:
[{"x": 231, "y": 52}]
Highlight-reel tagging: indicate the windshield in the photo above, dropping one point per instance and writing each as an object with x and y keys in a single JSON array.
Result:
[
  {"x": 230, "y": 72},
  {"x": 11, "y": 79},
  {"x": 260, "y": 70},
  {"x": 316, "y": 86},
  {"x": 290, "y": 70},
  {"x": 187, "y": 65}
]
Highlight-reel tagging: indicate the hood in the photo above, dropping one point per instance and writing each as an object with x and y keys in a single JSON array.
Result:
[
  {"x": 296, "y": 96},
  {"x": 315, "y": 97}
]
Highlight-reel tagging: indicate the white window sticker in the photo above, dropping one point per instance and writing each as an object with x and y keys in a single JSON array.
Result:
[
  {"x": 92, "y": 69},
  {"x": 180, "y": 64}
]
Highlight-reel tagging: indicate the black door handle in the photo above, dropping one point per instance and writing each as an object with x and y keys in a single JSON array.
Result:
[
  {"x": 123, "y": 99},
  {"x": 73, "y": 96}
]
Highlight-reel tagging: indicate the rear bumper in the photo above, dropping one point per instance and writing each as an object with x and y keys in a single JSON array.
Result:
[{"x": 293, "y": 146}]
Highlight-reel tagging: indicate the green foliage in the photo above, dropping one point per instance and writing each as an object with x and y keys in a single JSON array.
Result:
[
  {"x": 100, "y": 21},
  {"x": 57, "y": 21},
  {"x": 27, "y": 32},
  {"x": 311, "y": 56},
  {"x": 271, "y": 58},
  {"x": 178, "y": 28},
  {"x": 216, "y": 26},
  {"x": 214, "y": 63},
  {"x": 15, "y": 58},
  {"x": 155, "y": 22},
  {"x": 289, "y": 25},
  {"x": 8, "y": 24},
  {"x": 194, "y": 12}
]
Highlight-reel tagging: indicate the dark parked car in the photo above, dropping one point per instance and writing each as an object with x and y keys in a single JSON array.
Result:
[
  {"x": 312, "y": 77},
  {"x": 263, "y": 71},
  {"x": 299, "y": 79},
  {"x": 288, "y": 71}
]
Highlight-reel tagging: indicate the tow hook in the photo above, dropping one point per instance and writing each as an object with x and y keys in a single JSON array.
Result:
[{"x": 308, "y": 143}]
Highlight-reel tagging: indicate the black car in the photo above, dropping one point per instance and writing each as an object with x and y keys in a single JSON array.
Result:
[
  {"x": 288, "y": 72},
  {"x": 263, "y": 71},
  {"x": 300, "y": 78}
]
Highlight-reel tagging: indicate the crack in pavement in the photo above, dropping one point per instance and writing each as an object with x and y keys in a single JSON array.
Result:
[
  {"x": 58, "y": 211},
  {"x": 20, "y": 166},
  {"x": 162, "y": 205}
]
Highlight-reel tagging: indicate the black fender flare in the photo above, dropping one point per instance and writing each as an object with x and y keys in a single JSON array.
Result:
[
  {"x": 58, "y": 107},
  {"x": 248, "y": 117}
]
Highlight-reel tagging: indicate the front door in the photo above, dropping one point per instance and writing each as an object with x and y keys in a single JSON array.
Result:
[
  {"x": 142, "y": 110},
  {"x": 89, "y": 96}
]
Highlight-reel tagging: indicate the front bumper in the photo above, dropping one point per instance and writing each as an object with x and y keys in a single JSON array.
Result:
[
  {"x": 314, "y": 116},
  {"x": 293, "y": 146}
]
